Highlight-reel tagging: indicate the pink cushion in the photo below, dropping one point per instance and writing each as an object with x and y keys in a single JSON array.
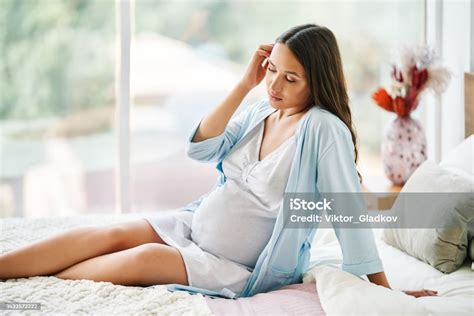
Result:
[{"x": 295, "y": 299}]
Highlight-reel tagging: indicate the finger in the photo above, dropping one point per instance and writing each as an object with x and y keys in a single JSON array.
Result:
[
  {"x": 262, "y": 56},
  {"x": 263, "y": 53},
  {"x": 266, "y": 47},
  {"x": 430, "y": 291}
]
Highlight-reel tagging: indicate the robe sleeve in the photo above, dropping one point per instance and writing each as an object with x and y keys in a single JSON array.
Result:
[
  {"x": 336, "y": 172},
  {"x": 215, "y": 148}
]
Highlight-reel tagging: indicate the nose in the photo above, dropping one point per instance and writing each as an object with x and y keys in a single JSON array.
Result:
[{"x": 275, "y": 85}]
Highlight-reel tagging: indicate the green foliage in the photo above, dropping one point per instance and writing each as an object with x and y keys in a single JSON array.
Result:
[{"x": 56, "y": 56}]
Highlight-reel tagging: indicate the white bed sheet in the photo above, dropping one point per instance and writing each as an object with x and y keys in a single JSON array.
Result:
[{"x": 404, "y": 272}]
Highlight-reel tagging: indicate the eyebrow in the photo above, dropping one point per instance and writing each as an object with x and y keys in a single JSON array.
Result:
[{"x": 288, "y": 72}]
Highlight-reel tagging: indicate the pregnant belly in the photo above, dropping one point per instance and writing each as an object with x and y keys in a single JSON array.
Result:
[{"x": 230, "y": 223}]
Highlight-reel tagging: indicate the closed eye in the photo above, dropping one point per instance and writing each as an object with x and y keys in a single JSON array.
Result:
[{"x": 273, "y": 70}]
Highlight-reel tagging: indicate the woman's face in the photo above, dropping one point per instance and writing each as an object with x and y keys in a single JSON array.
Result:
[{"x": 287, "y": 86}]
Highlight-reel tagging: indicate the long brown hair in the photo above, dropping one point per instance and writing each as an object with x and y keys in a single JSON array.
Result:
[{"x": 316, "y": 49}]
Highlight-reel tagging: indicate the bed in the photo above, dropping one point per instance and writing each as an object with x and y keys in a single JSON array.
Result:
[{"x": 323, "y": 297}]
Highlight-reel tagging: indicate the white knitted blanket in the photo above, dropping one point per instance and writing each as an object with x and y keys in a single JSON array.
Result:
[{"x": 67, "y": 297}]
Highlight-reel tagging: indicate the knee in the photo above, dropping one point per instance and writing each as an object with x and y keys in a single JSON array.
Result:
[
  {"x": 115, "y": 237},
  {"x": 147, "y": 252}
]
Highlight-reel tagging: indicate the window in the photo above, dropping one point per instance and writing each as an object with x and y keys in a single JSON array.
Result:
[
  {"x": 57, "y": 110},
  {"x": 57, "y": 107}
]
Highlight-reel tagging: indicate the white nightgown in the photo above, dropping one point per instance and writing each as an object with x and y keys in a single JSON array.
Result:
[{"x": 221, "y": 241}]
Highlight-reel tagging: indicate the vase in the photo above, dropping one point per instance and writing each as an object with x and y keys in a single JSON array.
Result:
[{"x": 403, "y": 148}]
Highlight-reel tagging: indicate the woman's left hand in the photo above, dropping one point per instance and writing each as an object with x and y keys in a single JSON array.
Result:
[{"x": 423, "y": 292}]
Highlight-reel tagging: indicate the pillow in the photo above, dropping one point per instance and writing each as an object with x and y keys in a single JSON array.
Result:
[
  {"x": 471, "y": 249},
  {"x": 461, "y": 158},
  {"x": 342, "y": 293},
  {"x": 461, "y": 161},
  {"x": 444, "y": 249}
]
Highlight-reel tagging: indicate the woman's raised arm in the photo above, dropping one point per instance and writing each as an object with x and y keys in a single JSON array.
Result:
[{"x": 215, "y": 122}]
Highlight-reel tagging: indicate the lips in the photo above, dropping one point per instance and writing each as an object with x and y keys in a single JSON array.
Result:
[{"x": 274, "y": 97}]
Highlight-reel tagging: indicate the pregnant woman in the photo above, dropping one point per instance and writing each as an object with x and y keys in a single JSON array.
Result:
[{"x": 232, "y": 239}]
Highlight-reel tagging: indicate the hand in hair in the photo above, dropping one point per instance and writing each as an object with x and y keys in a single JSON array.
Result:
[{"x": 257, "y": 66}]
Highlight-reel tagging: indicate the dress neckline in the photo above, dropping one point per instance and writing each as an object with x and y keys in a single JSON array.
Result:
[{"x": 260, "y": 141}]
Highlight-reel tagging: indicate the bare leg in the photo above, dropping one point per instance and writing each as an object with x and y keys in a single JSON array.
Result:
[
  {"x": 144, "y": 265},
  {"x": 59, "y": 252}
]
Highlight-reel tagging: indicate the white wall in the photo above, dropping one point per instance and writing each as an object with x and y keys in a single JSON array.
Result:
[
  {"x": 472, "y": 35},
  {"x": 449, "y": 30}
]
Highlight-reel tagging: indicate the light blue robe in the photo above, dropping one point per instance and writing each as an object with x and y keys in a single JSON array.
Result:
[{"x": 323, "y": 162}]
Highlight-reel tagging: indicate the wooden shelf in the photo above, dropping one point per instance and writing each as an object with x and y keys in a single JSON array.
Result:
[
  {"x": 385, "y": 192},
  {"x": 379, "y": 184}
]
